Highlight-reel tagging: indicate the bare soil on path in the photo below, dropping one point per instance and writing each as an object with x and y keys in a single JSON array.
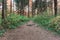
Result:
[{"x": 29, "y": 31}]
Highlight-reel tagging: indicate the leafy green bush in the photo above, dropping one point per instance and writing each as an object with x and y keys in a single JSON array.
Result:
[
  {"x": 42, "y": 19},
  {"x": 55, "y": 24},
  {"x": 13, "y": 20},
  {"x": 48, "y": 22},
  {"x": 2, "y": 32}
]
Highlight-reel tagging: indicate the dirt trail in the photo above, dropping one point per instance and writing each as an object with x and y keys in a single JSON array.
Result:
[{"x": 29, "y": 31}]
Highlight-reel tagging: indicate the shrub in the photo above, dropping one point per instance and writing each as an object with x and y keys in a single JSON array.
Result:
[
  {"x": 13, "y": 20},
  {"x": 48, "y": 22},
  {"x": 2, "y": 32},
  {"x": 55, "y": 24},
  {"x": 43, "y": 20}
]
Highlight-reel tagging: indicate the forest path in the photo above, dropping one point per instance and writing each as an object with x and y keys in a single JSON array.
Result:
[{"x": 29, "y": 31}]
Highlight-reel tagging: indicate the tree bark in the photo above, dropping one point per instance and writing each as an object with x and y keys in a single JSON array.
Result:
[
  {"x": 55, "y": 7},
  {"x": 11, "y": 6},
  {"x": 3, "y": 9}
]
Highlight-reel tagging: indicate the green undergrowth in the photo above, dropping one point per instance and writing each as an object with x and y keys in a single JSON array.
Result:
[
  {"x": 43, "y": 19},
  {"x": 48, "y": 22},
  {"x": 13, "y": 21},
  {"x": 55, "y": 24}
]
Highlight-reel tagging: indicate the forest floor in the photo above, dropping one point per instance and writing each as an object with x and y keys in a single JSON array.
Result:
[{"x": 29, "y": 31}]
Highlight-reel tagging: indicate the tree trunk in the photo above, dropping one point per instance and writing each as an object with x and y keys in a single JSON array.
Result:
[
  {"x": 55, "y": 7},
  {"x": 3, "y": 9},
  {"x": 28, "y": 9},
  {"x": 11, "y": 6},
  {"x": 22, "y": 6}
]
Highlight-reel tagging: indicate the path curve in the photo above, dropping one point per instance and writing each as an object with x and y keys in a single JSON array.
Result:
[{"x": 29, "y": 31}]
